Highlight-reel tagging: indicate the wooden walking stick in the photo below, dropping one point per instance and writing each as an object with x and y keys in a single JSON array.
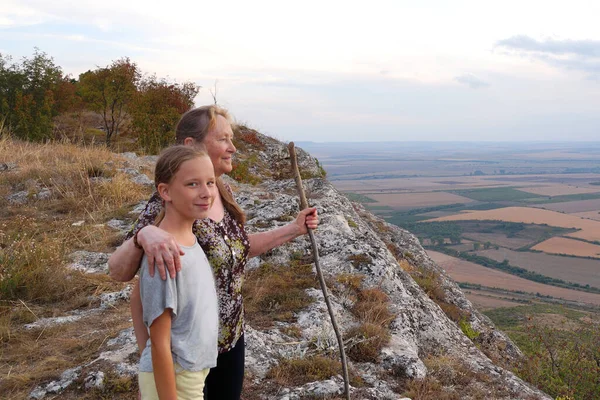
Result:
[{"x": 303, "y": 205}]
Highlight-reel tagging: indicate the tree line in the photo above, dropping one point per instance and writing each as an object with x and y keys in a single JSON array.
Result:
[{"x": 34, "y": 90}]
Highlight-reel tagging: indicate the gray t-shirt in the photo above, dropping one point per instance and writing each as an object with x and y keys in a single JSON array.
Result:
[{"x": 193, "y": 298}]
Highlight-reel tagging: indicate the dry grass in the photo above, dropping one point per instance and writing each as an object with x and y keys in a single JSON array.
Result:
[
  {"x": 366, "y": 341},
  {"x": 449, "y": 378},
  {"x": 41, "y": 355},
  {"x": 298, "y": 371},
  {"x": 35, "y": 241},
  {"x": 277, "y": 293},
  {"x": 372, "y": 307}
]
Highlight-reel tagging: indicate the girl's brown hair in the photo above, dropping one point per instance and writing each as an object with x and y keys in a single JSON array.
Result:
[
  {"x": 196, "y": 123},
  {"x": 167, "y": 165}
]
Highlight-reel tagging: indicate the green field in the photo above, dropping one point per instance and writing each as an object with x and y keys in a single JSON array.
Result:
[
  {"x": 498, "y": 194},
  {"x": 359, "y": 198}
]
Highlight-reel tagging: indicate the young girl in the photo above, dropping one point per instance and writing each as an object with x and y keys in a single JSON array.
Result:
[{"x": 181, "y": 313}]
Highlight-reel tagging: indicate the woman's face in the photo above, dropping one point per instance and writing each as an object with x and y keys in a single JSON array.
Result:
[{"x": 219, "y": 146}]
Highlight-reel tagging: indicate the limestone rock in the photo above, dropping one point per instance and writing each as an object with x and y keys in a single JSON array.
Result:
[
  {"x": 56, "y": 387},
  {"x": 90, "y": 262},
  {"x": 18, "y": 198},
  {"x": 119, "y": 225},
  {"x": 5, "y": 167},
  {"x": 94, "y": 380}
]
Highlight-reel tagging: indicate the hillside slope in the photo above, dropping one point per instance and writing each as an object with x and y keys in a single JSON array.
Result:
[{"x": 409, "y": 330}]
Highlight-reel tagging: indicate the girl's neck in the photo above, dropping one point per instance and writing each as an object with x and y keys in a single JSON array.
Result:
[{"x": 180, "y": 228}]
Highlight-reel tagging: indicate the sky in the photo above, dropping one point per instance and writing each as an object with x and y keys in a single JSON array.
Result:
[{"x": 328, "y": 70}]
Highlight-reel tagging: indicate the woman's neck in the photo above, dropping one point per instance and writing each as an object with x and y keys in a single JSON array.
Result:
[{"x": 180, "y": 228}]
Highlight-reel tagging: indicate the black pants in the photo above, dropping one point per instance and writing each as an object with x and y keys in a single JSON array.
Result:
[{"x": 225, "y": 381}]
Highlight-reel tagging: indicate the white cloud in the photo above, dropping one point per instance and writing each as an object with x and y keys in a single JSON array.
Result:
[
  {"x": 471, "y": 81},
  {"x": 325, "y": 67}
]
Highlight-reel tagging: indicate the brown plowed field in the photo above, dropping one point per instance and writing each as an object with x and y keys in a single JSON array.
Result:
[
  {"x": 560, "y": 245},
  {"x": 487, "y": 302},
  {"x": 465, "y": 271},
  {"x": 558, "y": 190},
  {"x": 571, "y": 207},
  {"x": 417, "y": 200},
  {"x": 570, "y": 269},
  {"x": 589, "y": 229}
]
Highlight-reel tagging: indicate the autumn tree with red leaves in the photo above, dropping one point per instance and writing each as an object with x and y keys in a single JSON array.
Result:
[{"x": 156, "y": 108}]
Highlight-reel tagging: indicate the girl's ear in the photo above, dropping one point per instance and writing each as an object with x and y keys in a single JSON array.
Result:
[
  {"x": 163, "y": 191},
  {"x": 189, "y": 141}
]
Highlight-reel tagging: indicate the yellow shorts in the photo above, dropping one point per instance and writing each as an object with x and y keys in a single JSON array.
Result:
[{"x": 190, "y": 385}]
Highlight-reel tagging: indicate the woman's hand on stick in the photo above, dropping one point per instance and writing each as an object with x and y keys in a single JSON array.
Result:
[{"x": 307, "y": 219}]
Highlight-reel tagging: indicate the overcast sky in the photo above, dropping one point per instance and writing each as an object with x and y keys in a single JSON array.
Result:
[{"x": 345, "y": 70}]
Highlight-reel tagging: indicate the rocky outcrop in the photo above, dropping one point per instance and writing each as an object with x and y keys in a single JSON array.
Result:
[{"x": 352, "y": 242}]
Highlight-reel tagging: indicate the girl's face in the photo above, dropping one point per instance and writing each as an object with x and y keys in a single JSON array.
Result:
[
  {"x": 219, "y": 146},
  {"x": 192, "y": 190}
]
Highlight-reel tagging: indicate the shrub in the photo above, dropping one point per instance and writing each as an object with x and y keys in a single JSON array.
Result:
[
  {"x": 431, "y": 284},
  {"x": 563, "y": 363},
  {"x": 467, "y": 329},
  {"x": 241, "y": 171}
]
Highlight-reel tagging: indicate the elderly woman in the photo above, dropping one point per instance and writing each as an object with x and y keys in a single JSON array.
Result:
[{"x": 224, "y": 240}]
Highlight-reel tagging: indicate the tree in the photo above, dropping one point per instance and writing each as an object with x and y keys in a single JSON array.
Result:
[
  {"x": 109, "y": 91},
  {"x": 28, "y": 93},
  {"x": 157, "y": 106}
]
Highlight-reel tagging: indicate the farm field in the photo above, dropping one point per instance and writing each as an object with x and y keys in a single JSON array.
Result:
[
  {"x": 570, "y": 269},
  {"x": 561, "y": 245},
  {"x": 558, "y": 190},
  {"x": 571, "y": 207},
  {"x": 483, "y": 300},
  {"x": 400, "y": 201},
  {"x": 595, "y": 215},
  {"x": 499, "y": 239},
  {"x": 465, "y": 271},
  {"x": 588, "y": 229}
]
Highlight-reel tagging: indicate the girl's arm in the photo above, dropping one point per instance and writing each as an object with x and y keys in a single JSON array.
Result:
[
  {"x": 162, "y": 359},
  {"x": 137, "y": 315},
  {"x": 265, "y": 241}
]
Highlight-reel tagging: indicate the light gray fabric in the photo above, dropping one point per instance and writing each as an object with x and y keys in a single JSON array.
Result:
[{"x": 193, "y": 299}]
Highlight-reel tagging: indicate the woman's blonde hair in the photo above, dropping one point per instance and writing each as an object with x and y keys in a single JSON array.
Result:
[
  {"x": 167, "y": 165},
  {"x": 196, "y": 123}
]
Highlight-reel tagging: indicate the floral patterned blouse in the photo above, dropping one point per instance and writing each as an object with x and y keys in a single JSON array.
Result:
[{"x": 226, "y": 246}]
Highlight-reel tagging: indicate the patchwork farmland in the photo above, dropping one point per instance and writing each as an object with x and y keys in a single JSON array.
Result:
[
  {"x": 468, "y": 272},
  {"x": 532, "y": 211}
]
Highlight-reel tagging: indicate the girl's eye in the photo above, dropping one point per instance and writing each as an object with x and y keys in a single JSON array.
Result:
[
  {"x": 210, "y": 183},
  {"x": 192, "y": 184}
]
